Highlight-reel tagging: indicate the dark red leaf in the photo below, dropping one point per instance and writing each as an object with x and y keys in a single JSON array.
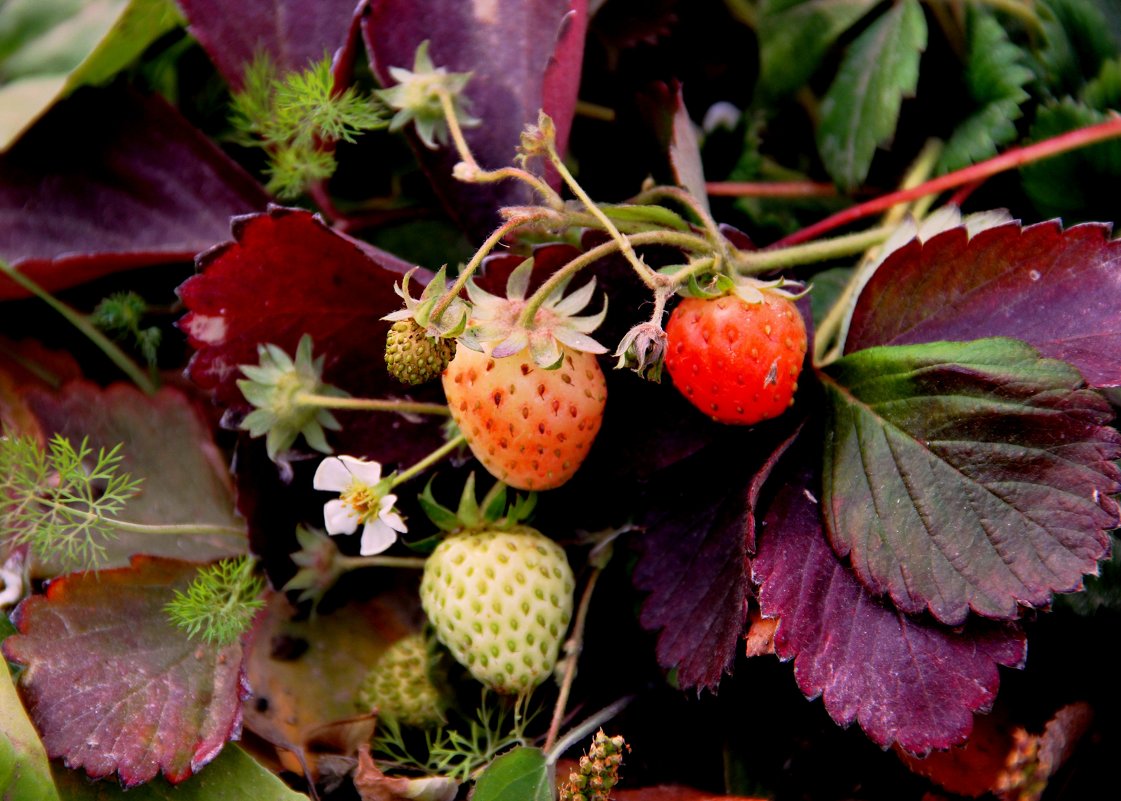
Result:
[
  {"x": 697, "y": 534},
  {"x": 903, "y": 679},
  {"x": 113, "y": 686},
  {"x": 287, "y": 274},
  {"x": 142, "y": 187},
  {"x": 1056, "y": 289},
  {"x": 522, "y": 56},
  {"x": 292, "y": 32}
]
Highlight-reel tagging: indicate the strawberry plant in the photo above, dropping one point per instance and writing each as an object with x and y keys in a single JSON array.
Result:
[{"x": 777, "y": 349}]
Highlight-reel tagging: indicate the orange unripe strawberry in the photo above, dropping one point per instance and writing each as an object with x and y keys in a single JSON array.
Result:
[
  {"x": 737, "y": 361},
  {"x": 531, "y": 427}
]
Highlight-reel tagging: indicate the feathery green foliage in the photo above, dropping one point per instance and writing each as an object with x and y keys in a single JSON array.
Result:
[
  {"x": 297, "y": 119},
  {"x": 59, "y": 500},
  {"x": 120, "y": 315},
  {"x": 219, "y": 605}
]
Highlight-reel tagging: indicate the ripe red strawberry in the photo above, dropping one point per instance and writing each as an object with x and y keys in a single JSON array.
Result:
[
  {"x": 735, "y": 360},
  {"x": 529, "y": 397},
  {"x": 530, "y": 427}
]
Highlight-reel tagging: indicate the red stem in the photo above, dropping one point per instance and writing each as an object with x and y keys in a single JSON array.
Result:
[{"x": 976, "y": 173}]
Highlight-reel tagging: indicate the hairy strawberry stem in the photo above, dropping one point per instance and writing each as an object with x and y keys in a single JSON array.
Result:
[
  {"x": 359, "y": 562},
  {"x": 446, "y": 449},
  {"x": 82, "y": 323},
  {"x": 371, "y": 404},
  {"x": 174, "y": 529}
]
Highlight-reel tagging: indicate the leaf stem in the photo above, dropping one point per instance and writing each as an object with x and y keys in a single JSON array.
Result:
[
  {"x": 358, "y": 562},
  {"x": 572, "y": 649},
  {"x": 1011, "y": 159},
  {"x": 371, "y": 404},
  {"x": 446, "y": 449},
  {"x": 761, "y": 261},
  {"x": 82, "y": 323},
  {"x": 584, "y": 729},
  {"x": 175, "y": 529}
]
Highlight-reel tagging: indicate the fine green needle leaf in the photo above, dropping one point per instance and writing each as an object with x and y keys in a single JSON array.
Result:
[{"x": 220, "y": 604}]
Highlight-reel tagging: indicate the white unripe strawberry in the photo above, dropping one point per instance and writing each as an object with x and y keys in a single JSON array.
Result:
[
  {"x": 501, "y": 601},
  {"x": 400, "y": 687}
]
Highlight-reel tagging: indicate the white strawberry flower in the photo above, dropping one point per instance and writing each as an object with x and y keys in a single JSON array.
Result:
[{"x": 363, "y": 498}]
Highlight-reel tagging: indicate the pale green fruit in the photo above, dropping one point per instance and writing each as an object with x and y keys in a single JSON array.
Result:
[
  {"x": 501, "y": 602},
  {"x": 400, "y": 686}
]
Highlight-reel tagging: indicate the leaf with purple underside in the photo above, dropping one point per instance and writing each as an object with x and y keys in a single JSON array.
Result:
[
  {"x": 142, "y": 187},
  {"x": 967, "y": 476},
  {"x": 696, "y": 536},
  {"x": 292, "y": 33},
  {"x": 113, "y": 686},
  {"x": 906, "y": 681},
  {"x": 522, "y": 56},
  {"x": 287, "y": 274},
  {"x": 997, "y": 284}
]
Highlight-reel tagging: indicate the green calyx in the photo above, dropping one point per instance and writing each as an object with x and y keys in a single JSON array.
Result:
[
  {"x": 274, "y": 386},
  {"x": 448, "y": 323},
  {"x": 492, "y": 513},
  {"x": 417, "y": 98},
  {"x": 498, "y": 325}
]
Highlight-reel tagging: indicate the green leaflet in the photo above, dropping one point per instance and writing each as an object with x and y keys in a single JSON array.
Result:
[
  {"x": 48, "y": 48},
  {"x": 518, "y": 775},
  {"x": 794, "y": 36},
  {"x": 967, "y": 476},
  {"x": 861, "y": 108},
  {"x": 25, "y": 774}
]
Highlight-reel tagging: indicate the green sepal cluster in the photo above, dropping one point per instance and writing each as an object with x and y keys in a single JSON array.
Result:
[
  {"x": 497, "y": 325},
  {"x": 450, "y": 323},
  {"x": 416, "y": 98},
  {"x": 274, "y": 386},
  {"x": 494, "y": 512},
  {"x": 318, "y": 563}
]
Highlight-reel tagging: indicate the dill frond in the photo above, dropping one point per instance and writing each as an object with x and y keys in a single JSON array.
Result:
[{"x": 220, "y": 603}]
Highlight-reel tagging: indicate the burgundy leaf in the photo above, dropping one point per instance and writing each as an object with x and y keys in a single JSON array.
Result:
[
  {"x": 113, "y": 686},
  {"x": 698, "y": 531},
  {"x": 1058, "y": 290},
  {"x": 192, "y": 486},
  {"x": 522, "y": 56},
  {"x": 287, "y": 274},
  {"x": 292, "y": 32},
  {"x": 141, "y": 187},
  {"x": 904, "y": 680}
]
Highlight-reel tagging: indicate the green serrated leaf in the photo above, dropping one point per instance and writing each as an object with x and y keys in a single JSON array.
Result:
[
  {"x": 25, "y": 773},
  {"x": 967, "y": 476},
  {"x": 518, "y": 775},
  {"x": 657, "y": 216},
  {"x": 861, "y": 108},
  {"x": 1104, "y": 92},
  {"x": 232, "y": 776},
  {"x": 794, "y": 36},
  {"x": 1077, "y": 42},
  {"x": 48, "y": 48},
  {"x": 995, "y": 76}
]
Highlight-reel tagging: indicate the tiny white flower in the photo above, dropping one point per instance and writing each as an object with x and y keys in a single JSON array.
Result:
[{"x": 363, "y": 498}]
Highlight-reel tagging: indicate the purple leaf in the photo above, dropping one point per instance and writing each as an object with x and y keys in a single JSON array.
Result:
[
  {"x": 142, "y": 187},
  {"x": 971, "y": 475},
  {"x": 293, "y": 33},
  {"x": 1058, "y": 290},
  {"x": 522, "y": 56},
  {"x": 113, "y": 686},
  {"x": 904, "y": 680},
  {"x": 696, "y": 539},
  {"x": 287, "y": 274}
]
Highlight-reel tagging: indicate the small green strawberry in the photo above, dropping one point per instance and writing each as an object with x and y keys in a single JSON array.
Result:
[
  {"x": 400, "y": 686},
  {"x": 414, "y": 357},
  {"x": 498, "y": 593}
]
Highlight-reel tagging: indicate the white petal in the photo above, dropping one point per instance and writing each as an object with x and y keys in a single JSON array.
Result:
[
  {"x": 366, "y": 472},
  {"x": 389, "y": 515},
  {"x": 339, "y": 518},
  {"x": 376, "y": 537},
  {"x": 331, "y": 475}
]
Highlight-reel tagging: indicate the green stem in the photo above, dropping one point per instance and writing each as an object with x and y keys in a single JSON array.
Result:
[
  {"x": 176, "y": 529},
  {"x": 371, "y": 404},
  {"x": 688, "y": 201},
  {"x": 446, "y": 449},
  {"x": 690, "y": 242},
  {"x": 484, "y": 250},
  {"x": 476, "y": 174},
  {"x": 644, "y": 272},
  {"x": 572, "y": 650},
  {"x": 82, "y": 323},
  {"x": 358, "y": 562},
  {"x": 763, "y": 261}
]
